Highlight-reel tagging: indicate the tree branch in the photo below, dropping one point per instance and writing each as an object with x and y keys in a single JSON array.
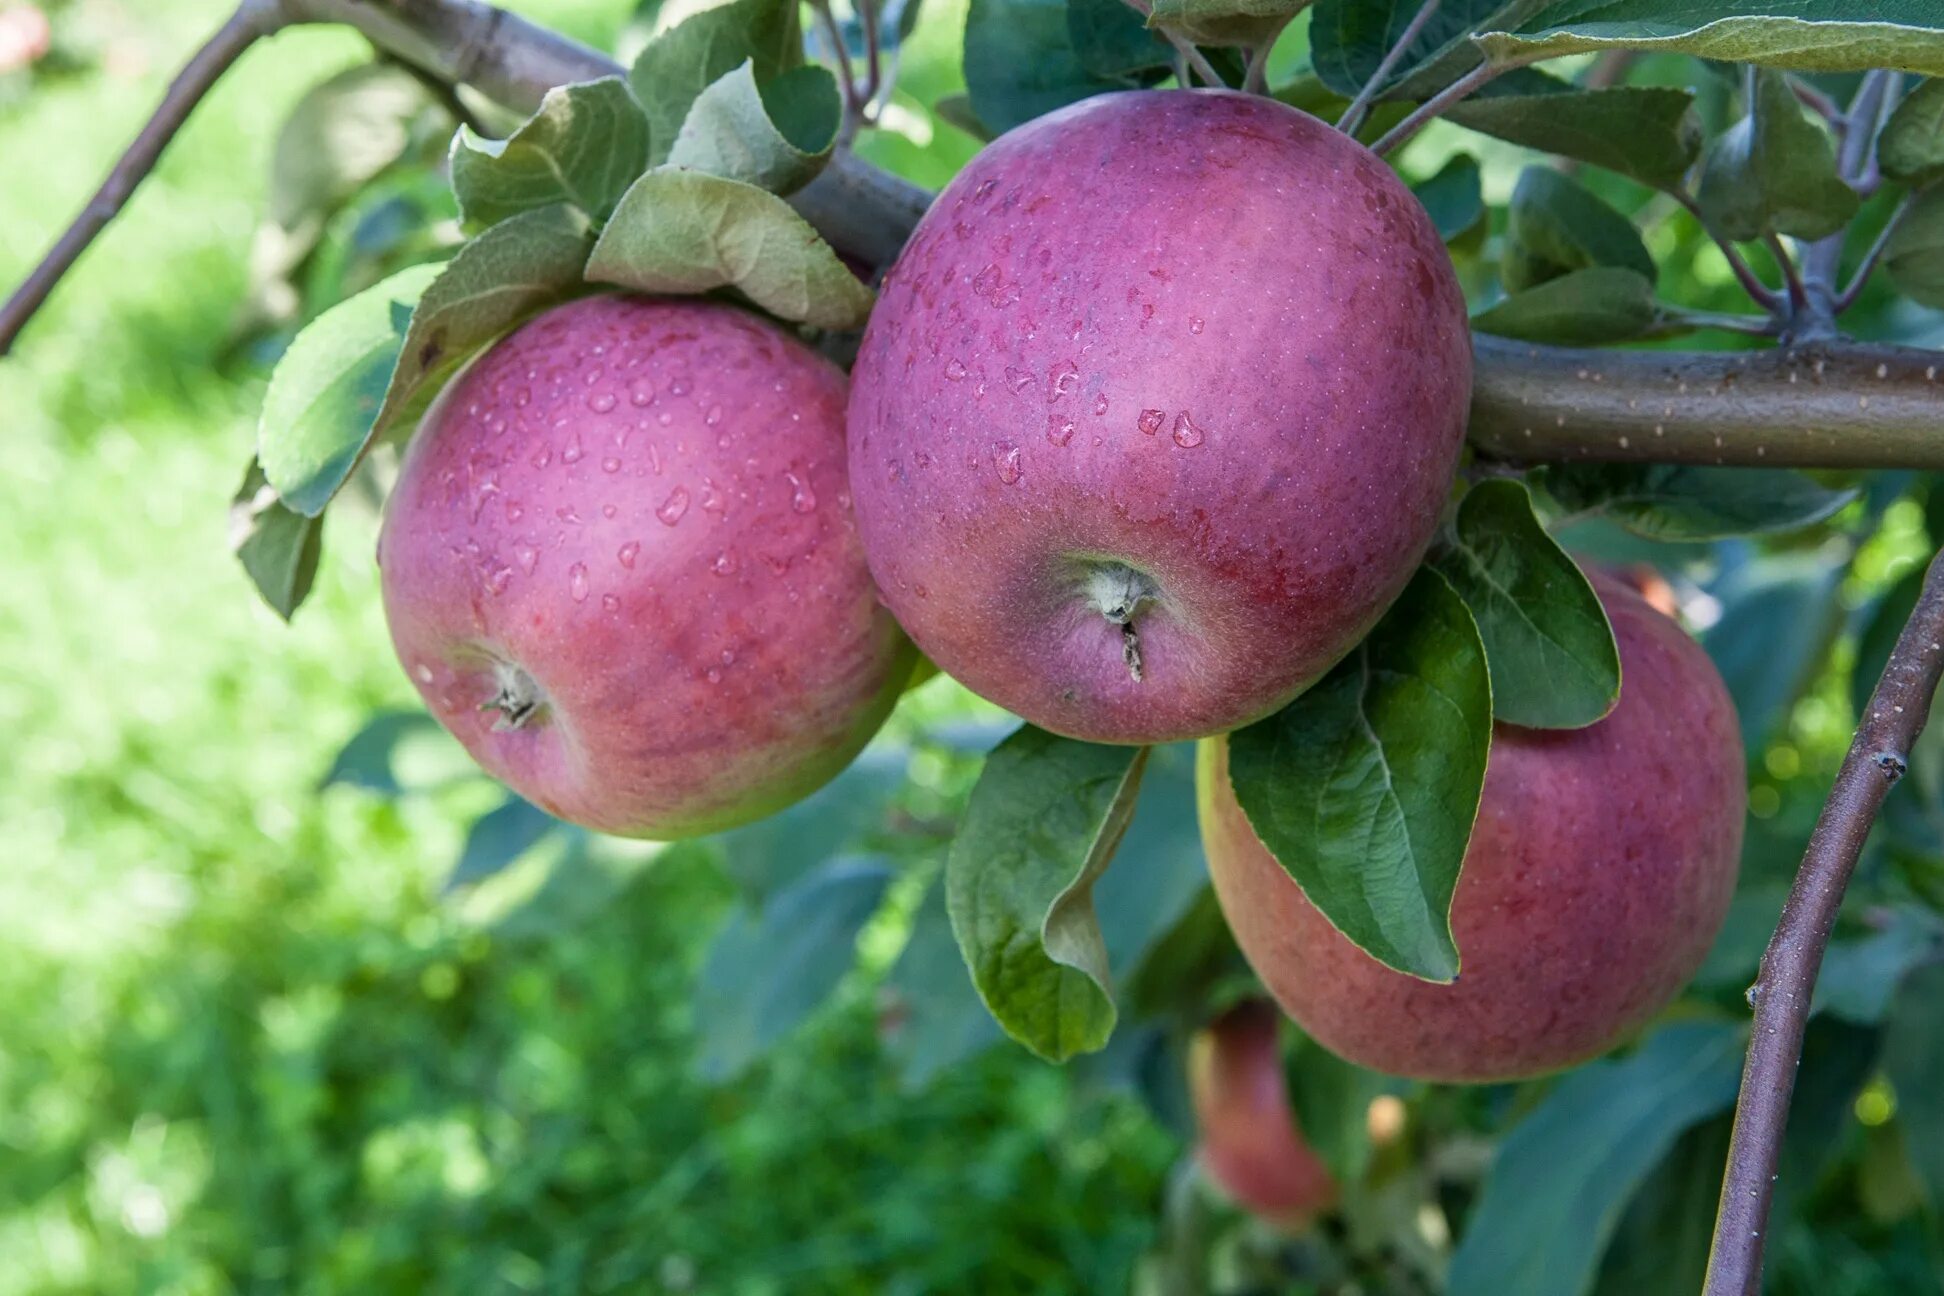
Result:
[
  {"x": 1784, "y": 988},
  {"x": 1760, "y": 293},
  {"x": 251, "y": 21}
]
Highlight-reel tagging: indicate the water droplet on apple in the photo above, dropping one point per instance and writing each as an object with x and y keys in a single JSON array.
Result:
[
  {"x": 1194, "y": 324},
  {"x": 609, "y": 510},
  {"x": 1151, "y": 420},
  {"x": 1018, "y": 379},
  {"x": 955, "y": 370},
  {"x": 541, "y": 457},
  {"x": 802, "y": 498},
  {"x": 1060, "y": 380},
  {"x": 601, "y": 401},
  {"x": 610, "y": 603},
  {"x": 610, "y": 465},
  {"x": 665, "y": 418},
  {"x": 526, "y": 555},
  {"x": 1186, "y": 434},
  {"x": 679, "y": 386},
  {"x": 1059, "y": 429},
  {"x": 573, "y": 451},
  {"x": 625, "y": 555},
  {"x": 1100, "y": 405},
  {"x": 1005, "y": 457},
  {"x": 641, "y": 393},
  {"x": 577, "y": 582},
  {"x": 726, "y": 563},
  {"x": 514, "y": 510},
  {"x": 674, "y": 506}
]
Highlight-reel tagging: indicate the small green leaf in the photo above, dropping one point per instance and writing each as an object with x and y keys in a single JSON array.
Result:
[
  {"x": 1584, "y": 308},
  {"x": 1913, "y": 1058},
  {"x": 277, "y": 546},
  {"x": 766, "y": 855},
  {"x": 515, "y": 268},
  {"x": 1332, "y": 1098},
  {"x": 1158, "y": 872},
  {"x": 369, "y": 758},
  {"x": 1859, "y": 977},
  {"x": 1681, "y": 502},
  {"x": 769, "y": 969},
  {"x": 685, "y": 232},
  {"x": 678, "y": 65},
  {"x": 1779, "y": 618},
  {"x": 584, "y": 146},
  {"x": 776, "y": 137},
  {"x": 939, "y": 1018},
  {"x": 327, "y": 389},
  {"x": 1555, "y": 225},
  {"x": 1225, "y": 22},
  {"x": 1563, "y": 1176},
  {"x": 1914, "y": 257},
  {"x": 1365, "y": 787},
  {"x": 1910, "y": 150},
  {"x": 1454, "y": 197},
  {"x": 1553, "y": 661},
  {"x": 340, "y": 136},
  {"x": 1349, "y": 38},
  {"x": 1650, "y": 133},
  {"x": 1020, "y": 63},
  {"x": 498, "y": 838},
  {"x": 1774, "y": 171},
  {"x": 1824, "y": 36},
  {"x": 1038, "y": 832},
  {"x": 1112, "y": 41}
]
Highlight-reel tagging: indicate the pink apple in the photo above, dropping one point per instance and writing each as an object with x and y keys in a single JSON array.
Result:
[
  {"x": 1598, "y": 875},
  {"x": 620, "y": 566},
  {"x": 1250, "y": 1146},
  {"x": 1158, "y": 412}
]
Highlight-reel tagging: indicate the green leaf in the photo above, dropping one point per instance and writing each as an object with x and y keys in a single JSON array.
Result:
[
  {"x": 1779, "y": 617},
  {"x": 769, "y": 969},
  {"x": 938, "y": 1018},
  {"x": 1860, "y": 977},
  {"x": 1021, "y": 63},
  {"x": 678, "y": 65},
  {"x": 1564, "y": 1175},
  {"x": 1914, "y": 257},
  {"x": 776, "y": 137},
  {"x": 369, "y": 758},
  {"x": 1913, "y": 1058},
  {"x": 277, "y": 546},
  {"x": 498, "y": 838},
  {"x": 327, "y": 389},
  {"x": 1555, "y": 225},
  {"x": 1910, "y": 150},
  {"x": 1553, "y": 661},
  {"x": 1454, "y": 197},
  {"x": 1111, "y": 40},
  {"x": 1349, "y": 38},
  {"x": 1332, "y": 1100},
  {"x": 1041, "y": 826},
  {"x": 1824, "y": 36},
  {"x": 685, "y": 232},
  {"x": 1365, "y": 787},
  {"x": 1225, "y": 22},
  {"x": 1681, "y": 502},
  {"x": 956, "y": 110},
  {"x": 584, "y": 146},
  {"x": 766, "y": 855},
  {"x": 1649, "y": 133},
  {"x": 1158, "y": 872},
  {"x": 1774, "y": 171},
  {"x": 1661, "y": 1241},
  {"x": 1884, "y": 623},
  {"x": 339, "y": 137},
  {"x": 511, "y": 271},
  {"x": 1583, "y": 308}
]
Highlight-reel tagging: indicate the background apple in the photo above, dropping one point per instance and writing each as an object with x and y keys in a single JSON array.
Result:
[
  {"x": 627, "y": 515},
  {"x": 1158, "y": 412},
  {"x": 1249, "y": 1143},
  {"x": 1598, "y": 875}
]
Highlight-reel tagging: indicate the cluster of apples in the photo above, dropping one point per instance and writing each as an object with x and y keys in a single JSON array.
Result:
[{"x": 1157, "y": 414}]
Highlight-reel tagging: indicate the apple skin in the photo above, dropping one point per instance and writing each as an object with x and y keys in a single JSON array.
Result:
[
  {"x": 1250, "y": 1146},
  {"x": 641, "y": 505},
  {"x": 1195, "y": 340},
  {"x": 1598, "y": 875}
]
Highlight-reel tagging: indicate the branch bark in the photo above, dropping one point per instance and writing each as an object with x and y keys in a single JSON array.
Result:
[{"x": 1785, "y": 986}]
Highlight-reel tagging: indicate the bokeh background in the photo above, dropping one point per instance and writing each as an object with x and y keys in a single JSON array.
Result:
[{"x": 250, "y": 1041}]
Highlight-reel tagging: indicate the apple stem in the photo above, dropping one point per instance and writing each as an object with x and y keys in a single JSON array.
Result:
[
  {"x": 518, "y": 700},
  {"x": 1118, "y": 592}
]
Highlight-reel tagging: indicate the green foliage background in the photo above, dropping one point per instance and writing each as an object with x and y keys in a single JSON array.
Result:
[{"x": 246, "y": 1045}]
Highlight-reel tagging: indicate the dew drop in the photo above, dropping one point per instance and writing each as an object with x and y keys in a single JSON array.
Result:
[
  {"x": 541, "y": 457},
  {"x": 577, "y": 582},
  {"x": 568, "y": 515},
  {"x": 1061, "y": 379},
  {"x": 609, "y": 510},
  {"x": 1018, "y": 379},
  {"x": 1195, "y": 324},
  {"x": 713, "y": 675},
  {"x": 573, "y": 451},
  {"x": 610, "y": 465},
  {"x": 522, "y": 397},
  {"x": 955, "y": 370},
  {"x": 665, "y": 418},
  {"x": 1151, "y": 420},
  {"x": 714, "y": 416},
  {"x": 601, "y": 401},
  {"x": 515, "y": 510},
  {"x": 593, "y": 374},
  {"x": 1059, "y": 429},
  {"x": 1186, "y": 434},
  {"x": 674, "y": 506},
  {"x": 1100, "y": 406},
  {"x": 641, "y": 393},
  {"x": 526, "y": 555},
  {"x": 626, "y": 554},
  {"x": 610, "y": 603},
  {"x": 679, "y": 386},
  {"x": 424, "y": 673},
  {"x": 1005, "y": 457},
  {"x": 802, "y": 498},
  {"x": 725, "y": 563},
  {"x": 497, "y": 579}
]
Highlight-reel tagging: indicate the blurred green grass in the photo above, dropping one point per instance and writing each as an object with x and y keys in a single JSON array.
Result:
[{"x": 243, "y": 1046}]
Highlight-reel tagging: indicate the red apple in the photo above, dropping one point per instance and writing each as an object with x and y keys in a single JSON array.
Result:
[
  {"x": 1598, "y": 875},
  {"x": 1250, "y": 1145},
  {"x": 1157, "y": 412},
  {"x": 620, "y": 566}
]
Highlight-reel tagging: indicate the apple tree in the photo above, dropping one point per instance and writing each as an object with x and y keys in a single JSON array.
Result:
[{"x": 1322, "y": 508}]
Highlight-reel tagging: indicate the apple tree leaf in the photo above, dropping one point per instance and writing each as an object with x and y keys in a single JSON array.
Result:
[
  {"x": 1555, "y": 225},
  {"x": 584, "y": 147},
  {"x": 1914, "y": 257},
  {"x": 1910, "y": 149},
  {"x": 1690, "y": 502},
  {"x": 1774, "y": 172},
  {"x": 1583, "y": 308},
  {"x": 1649, "y": 133},
  {"x": 278, "y": 546},
  {"x": 1021, "y": 63},
  {"x": 677, "y": 66},
  {"x": 776, "y": 136}
]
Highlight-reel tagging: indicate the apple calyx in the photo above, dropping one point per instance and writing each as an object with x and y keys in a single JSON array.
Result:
[
  {"x": 1119, "y": 592},
  {"x": 518, "y": 700}
]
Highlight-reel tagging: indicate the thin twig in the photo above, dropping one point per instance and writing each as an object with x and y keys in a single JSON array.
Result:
[
  {"x": 1679, "y": 319},
  {"x": 1860, "y": 280},
  {"x": 445, "y": 92},
  {"x": 251, "y": 21},
  {"x": 1798, "y": 295},
  {"x": 846, "y": 76},
  {"x": 1255, "y": 75},
  {"x": 1751, "y": 283},
  {"x": 1785, "y": 986},
  {"x": 1353, "y": 116},
  {"x": 1855, "y": 159},
  {"x": 1196, "y": 60},
  {"x": 1426, "y": 112},
  {"x": 873, "y": 58},
  {"x": 1820, "y": 104}
]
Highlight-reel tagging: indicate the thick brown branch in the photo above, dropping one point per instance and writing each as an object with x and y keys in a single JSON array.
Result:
[
  {"x": 1786, "y": 983},
  {"x": 1834, "y": 406},
  {"x": 251, "y": 21}
]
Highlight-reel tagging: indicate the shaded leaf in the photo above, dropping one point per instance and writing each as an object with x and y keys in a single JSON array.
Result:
[
  {"x": 938, "y": 1015},
  {"x": 1910, "y": 149},
  {"x": 1454, "y": 197},
  {"x": 368, "y": 758},
  {"x": 776, "y": 136},
  {"x": 278, "y": 547},
  {"x": 1553, "y": 661},
  {"x": 325, "y": 393},
  {"x": 685, "y": 232},
  {"x": 1225, "y": 22},
  {"x": 1565, "y": 1173},
  {"x": 675, "y": 67},
  {"x": 1349, "y": 38},
  {"x": 1829, "y": 36},
  {"x": 767, "y": 971},
  {"x": 584, "y": 147},
  {"x": 1914, "y": 258},
  {"x": 1111, "y": 40},
  {"x": 498, "y": 838},
  {"x": 1685, "y": 502},
  {"x": 773, "y": 851},
  {"x": 1582, "y": 308},
  {"x": 1650, "y": 133},
  {"x": 340, "y": 136},
  {"x": 1555, "y": 225},
  {"x": 1884, "y": 623},
  {"x": 1365, "y": 787},
  {"x": 1774, "y": 171},
  {"x": 1158, "y": 872},
  {"x": 1779, "y": 618},
  {"x": 1332, "y": 1099},
  {"x": 1913, "y": 1058},
  {"x": 1860, "y": 976},
  {"x": 1021, "y": 63},
  {"x": 1041, "y": 826}
]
